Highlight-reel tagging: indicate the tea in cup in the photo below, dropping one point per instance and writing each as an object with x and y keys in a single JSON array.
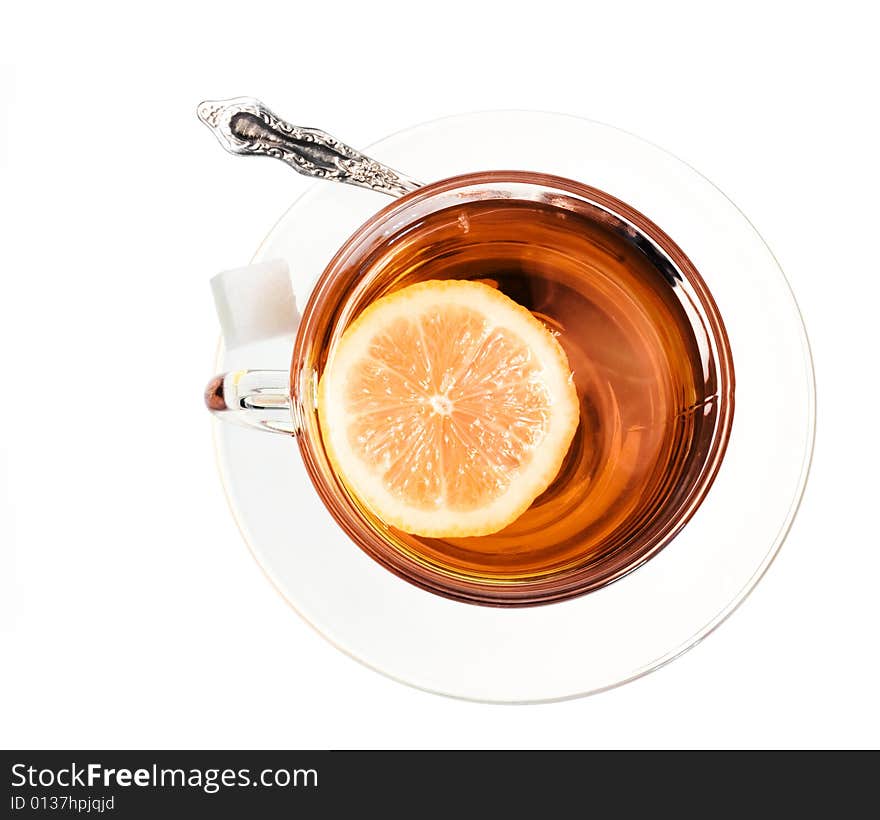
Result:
[{"x": 648, "y": 358}]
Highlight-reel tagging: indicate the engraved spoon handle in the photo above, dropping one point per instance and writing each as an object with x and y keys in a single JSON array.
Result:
[{"x": 243, "y": 125}]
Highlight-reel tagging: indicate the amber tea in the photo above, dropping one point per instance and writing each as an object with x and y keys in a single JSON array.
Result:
[{"x": 642, "y": 352}]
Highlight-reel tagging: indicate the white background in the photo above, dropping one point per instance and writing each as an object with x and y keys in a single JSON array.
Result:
[{"x": 131, "y": 613}]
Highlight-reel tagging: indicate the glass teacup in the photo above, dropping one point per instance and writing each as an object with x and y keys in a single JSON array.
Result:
[{"x": 642, "y": 333}]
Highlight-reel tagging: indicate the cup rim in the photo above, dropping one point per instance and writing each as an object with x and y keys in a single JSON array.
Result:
[{"x": 548, "y": 589}]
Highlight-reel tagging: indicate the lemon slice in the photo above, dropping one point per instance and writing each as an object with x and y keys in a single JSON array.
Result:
[{"x": 447, "y": 408}]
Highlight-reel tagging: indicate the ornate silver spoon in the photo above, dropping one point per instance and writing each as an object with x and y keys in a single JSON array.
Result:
[{"x": 243, "y": 125}]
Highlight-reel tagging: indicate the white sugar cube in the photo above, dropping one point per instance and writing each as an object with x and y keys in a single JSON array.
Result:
[{"x": 255, "y": 302}]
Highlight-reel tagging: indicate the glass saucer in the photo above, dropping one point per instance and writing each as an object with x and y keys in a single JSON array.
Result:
[{"x": 630, "y": 627}]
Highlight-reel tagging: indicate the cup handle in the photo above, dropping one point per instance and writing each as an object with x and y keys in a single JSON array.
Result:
[{"x": 253, "y": 398}]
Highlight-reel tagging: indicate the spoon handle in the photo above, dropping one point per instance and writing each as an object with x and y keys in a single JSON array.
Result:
[{"x": 243, "y": 125}]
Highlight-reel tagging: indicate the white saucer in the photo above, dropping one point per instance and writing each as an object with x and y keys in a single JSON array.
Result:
[{"x": 628, "y": 628}]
